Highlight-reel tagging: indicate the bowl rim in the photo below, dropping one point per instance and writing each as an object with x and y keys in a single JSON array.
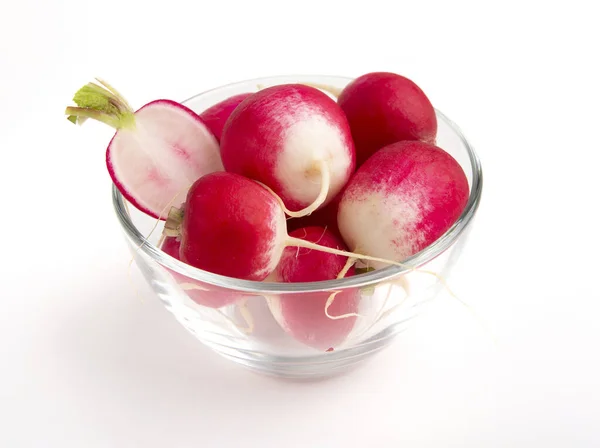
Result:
[{"x": 432, "y": 251}]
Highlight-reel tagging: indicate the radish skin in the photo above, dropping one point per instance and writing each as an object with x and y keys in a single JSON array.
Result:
[
  {"x": 156, "y": 153},
  {"x": 401, "y": 200},
  {"x": 295, "y": 140},
  {"x": 383, "y": 108},
  {"x": 216, "y": 116},
  {"x": 312, "y": 318},
  {"x": 232, "y": 226}
]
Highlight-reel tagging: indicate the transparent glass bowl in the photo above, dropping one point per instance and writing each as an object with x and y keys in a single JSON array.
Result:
[{"x": 244, "y": 328}]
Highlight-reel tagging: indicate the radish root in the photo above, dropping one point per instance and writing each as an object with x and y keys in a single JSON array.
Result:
[
  {"x": 349, "y": 263},
  {"x": 320, "y": 199},
  {"x": 247, "y": 316},
  {"x": 308, "y": 245},
  {"x": 381, "y": 315},
  {"x": 330, "y": 300},
  {"x": 192, "y": 287}
]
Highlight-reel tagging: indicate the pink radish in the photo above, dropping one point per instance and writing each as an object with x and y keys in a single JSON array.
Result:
[
  {"x": 295, "y": 140},
  {"x": 197, "y": 291},
  {"x": 308, "y": 317},
  {"x": 216, "y": 116},
  {"x": 384, "y": 108},
  {"x": 157, "y": 152},
  {"x": 401, "y": 200},
  {"x": 233, "y": 226}
]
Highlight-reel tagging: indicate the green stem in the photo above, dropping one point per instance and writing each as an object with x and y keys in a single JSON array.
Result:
[
  {"x": 173, "y": 222},
  {"x": 79, "y": 114},
  {"x": 115, "y": 92},
  {"x": 102, "y": 103}
]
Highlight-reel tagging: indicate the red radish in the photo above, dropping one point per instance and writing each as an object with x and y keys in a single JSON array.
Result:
[
  {"x": 401, "y": 200},
  {"x": 323, "y": 217},
  {"x": 157, "y": 152},
  {"x": 307, "y": 317},
  {"x": 295, "y": 140},
  {"x": 197, "y": 291},
  {"x": 384, "y": 108},
  {"x": 215, "y": 116},
  {"x": 170, "y": 246},
  {"x": 233, "y": 226}
]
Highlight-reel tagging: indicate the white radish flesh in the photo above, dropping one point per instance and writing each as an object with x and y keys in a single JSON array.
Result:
[{"x": 156, "y": 153}]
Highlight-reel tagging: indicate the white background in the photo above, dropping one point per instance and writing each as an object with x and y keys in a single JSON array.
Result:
[{"x": 84, "y": 363}]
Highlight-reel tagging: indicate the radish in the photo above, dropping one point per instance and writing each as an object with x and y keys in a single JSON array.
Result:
[
  {"x": 309, "y": 317},
  {"x": 195, "y": 290},
  {"x": 156, "y": 153},
  {"x": 401, "y": 200},
  {"x": 233, "y": 226},
  {"x": 295, "y": 140},
  {"x": 215, "y": 116},
  {"x": 384, "y": 108}
]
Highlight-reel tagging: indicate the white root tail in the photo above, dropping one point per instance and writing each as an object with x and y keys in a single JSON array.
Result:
[
  {"x": 349, "y": 263},
  {"x": 247, "y": 316},
  {"x": 309, "y": 245},
  {"x": 192, "y": 287},
  {"x": 382, "y": 315},
  {"x": 320, "y": 199},
  {"x": 329, "y": 302}
]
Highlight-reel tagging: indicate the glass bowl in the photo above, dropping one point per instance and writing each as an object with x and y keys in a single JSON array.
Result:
[{"x": 241, "y": 320}]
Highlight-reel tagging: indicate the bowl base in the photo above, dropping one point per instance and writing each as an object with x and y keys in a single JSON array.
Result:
[{"x": 320, "y": 367}]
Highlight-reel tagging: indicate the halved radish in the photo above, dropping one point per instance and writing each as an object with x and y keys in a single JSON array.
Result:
[{"x": 157, "y": 152}]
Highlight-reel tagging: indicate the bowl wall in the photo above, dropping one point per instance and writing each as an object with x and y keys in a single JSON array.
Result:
[{"x": 241, "y": 320}]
